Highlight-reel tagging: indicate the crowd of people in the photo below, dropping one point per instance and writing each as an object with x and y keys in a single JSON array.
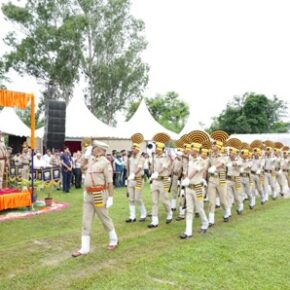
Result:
[{"x": 226, "y": 172}]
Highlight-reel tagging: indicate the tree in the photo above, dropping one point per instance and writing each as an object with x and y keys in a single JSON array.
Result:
[
  {"x": 96, "y": 37},
  {"x": 252, "y": 113},
  {"x": 168, "y": 110},
  {"x": 111, "y": 58},
  {"x": 48, "y": 47}
]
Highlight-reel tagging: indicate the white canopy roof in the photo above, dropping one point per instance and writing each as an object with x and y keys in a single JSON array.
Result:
[
  {"x": 190, "y": 125},
  {"x": 143, "y": 122},
  {"x": 276, "y": 137},
  {"x": 10, "y": 123},
  {"x": 81, "y": 122}
]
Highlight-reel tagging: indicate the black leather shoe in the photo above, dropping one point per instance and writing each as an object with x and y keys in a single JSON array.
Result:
[
  {"x": 142, "y": 219},
  {"x": 217, "y": 206},
  {"x": 239, "y": 212},
  {"x": 251, "y": 206},
  {"x": 149, "y": 214},
  {"x": 179, "y": 218},
  {"x": 226, "y": 219},
  {"x": 173, "y": 209},
  {"x": 183, "y": 236},
  {"x": 151, "y": 226},
  {"x": 168, "y": 221},
  {"x": 130, "y": 220},
  {"x": 263, "y": 202},
  {"x": 202, "y": 231},
  {"x": 210, "y": 225},
  {"x": 196, "y": 215}
]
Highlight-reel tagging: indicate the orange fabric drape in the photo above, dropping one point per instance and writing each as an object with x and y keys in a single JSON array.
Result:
[
  {"x": 32, "y": 123},
  {"x": 15, "y": 200},
  {"x": 14, "y": 99}
]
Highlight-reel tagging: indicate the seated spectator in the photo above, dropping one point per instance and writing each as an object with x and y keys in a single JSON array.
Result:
[{"x": 37, "y": 161}]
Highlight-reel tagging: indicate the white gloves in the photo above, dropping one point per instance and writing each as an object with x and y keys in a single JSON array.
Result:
[
  {"x": 185, "y": 182},
  {"x": 88, "y": 152},
  {"x": 212, "y": 169},
  {"x": 242, "y": 170},
  {"x": 258, "y": 171},
  {"x": 131, "y": 176},
  {"x": 280, "y": 172},
  {"x": 109, "y": 202},
  {"x": 154, "y": 175},
  {"x": 204, "y": 182}
]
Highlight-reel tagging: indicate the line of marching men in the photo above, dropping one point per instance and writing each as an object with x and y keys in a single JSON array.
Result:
[
  {"x": 221, "y": 169},
  {"x": 201, "y": 166}
]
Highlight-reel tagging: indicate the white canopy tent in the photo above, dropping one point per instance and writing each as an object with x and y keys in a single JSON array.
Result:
[
  {"x": 10, "y": 123},
  {"x": 190, "y": 125},
  {"x": 81, "y": 123},
  {"x": 144, "y": 123},
  {"x": 275, "y": 137}
]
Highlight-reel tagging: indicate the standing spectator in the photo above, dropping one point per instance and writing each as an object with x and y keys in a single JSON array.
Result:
[
  {"x": 77, "y": 169},
  {"x": 66, "y": 169},
  {"x": 125, "y": 159},
  {"x": 119, "y": 167},
  {"x": 114, "y": 152}
]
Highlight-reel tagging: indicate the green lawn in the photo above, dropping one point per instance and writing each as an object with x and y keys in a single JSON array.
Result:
[{"x": 252, "y": 251}]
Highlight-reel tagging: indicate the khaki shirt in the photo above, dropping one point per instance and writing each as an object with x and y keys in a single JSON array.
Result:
[
  {"x": 135, "y": 163},
  {"x": 269, "y": 163},
  {"x": 99, "y": 172},
  {"x": 246, "y": 165},
  {"x": 184, "y": 166},
  {"x": 257, "y": 164},
  {"x": 160, "y": 163},
  {"x": 277, "y": 163},
  {"x": 25, "y": 158},
  {"x": 234, "y": 167},
  {"x": 216, "y": 159},
  {"x": 198, "y": 165},
  {"x": 284, "y": 163},
  {"x": 177, "y": 167}
]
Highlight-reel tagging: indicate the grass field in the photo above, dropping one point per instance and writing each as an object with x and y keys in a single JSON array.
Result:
[{"x": 252, "y": 251}]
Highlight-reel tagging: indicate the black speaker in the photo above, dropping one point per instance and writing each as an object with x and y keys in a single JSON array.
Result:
[{"x": 54, "y": 129}]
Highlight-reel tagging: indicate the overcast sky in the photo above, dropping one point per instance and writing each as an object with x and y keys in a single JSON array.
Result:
[{"x": 208, "y": 51}]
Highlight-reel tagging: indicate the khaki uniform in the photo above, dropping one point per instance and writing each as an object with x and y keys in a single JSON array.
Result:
[
  {"x": 195, "y": 194},
  {"x": 217, "y": 185},
  {"x": 247, "y": 181},
  {"x": 271, "y": 184},
  {"x": 283, "y": 176},
  {"x": 135, "y": 187},
  {"x": 234, "y": 185},
  {"x": 181, "y": 214},
  {"x": 3, "y": 158},
  {"x": 25, "y": 162},
  {"x": 257, "y": 171},
  {"x": 160, "y": 186},
  {"x": 99, "y": 174},
  {"x": 176, "y": 174}
]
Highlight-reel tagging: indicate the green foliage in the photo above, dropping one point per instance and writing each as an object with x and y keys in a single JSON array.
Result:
[
  {"x": 63, "y": 39},
  {"x": 252, "y": 113},
  {"x": 168, "y": 110},
  {"x": 50, "y": 48}
]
